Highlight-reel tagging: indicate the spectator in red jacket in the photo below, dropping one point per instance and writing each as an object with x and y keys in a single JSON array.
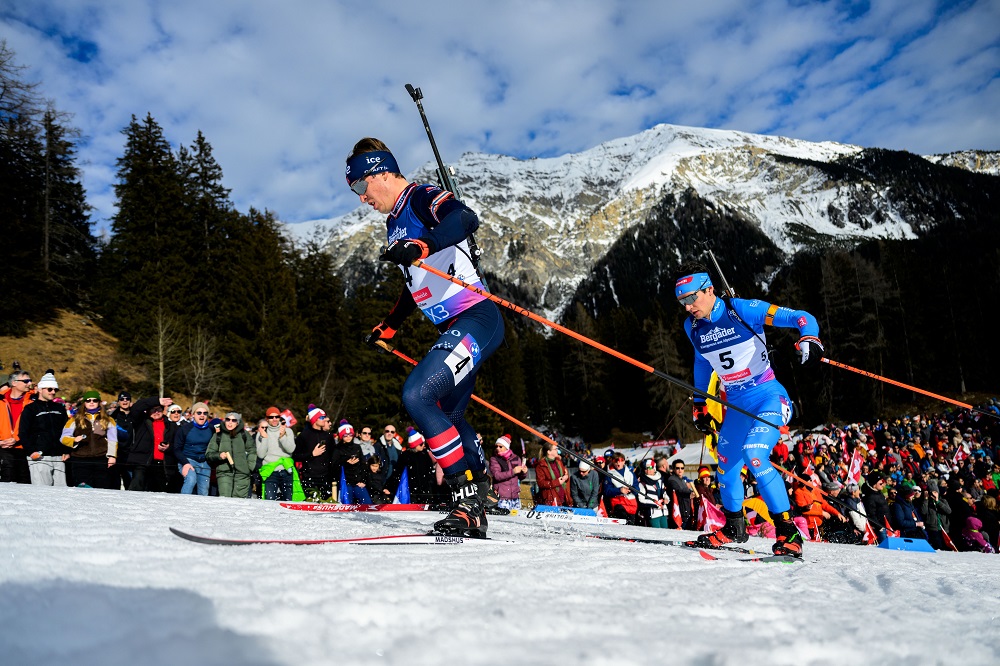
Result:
[{"x": 552, "y": 478}]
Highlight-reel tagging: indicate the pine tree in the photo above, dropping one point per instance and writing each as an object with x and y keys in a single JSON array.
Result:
[{"x": 147, "y": 257}]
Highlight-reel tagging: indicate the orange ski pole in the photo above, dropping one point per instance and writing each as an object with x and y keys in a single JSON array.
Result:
[
  {"x": 872, "y": 375},
  {"x": 584, "y": 339}
]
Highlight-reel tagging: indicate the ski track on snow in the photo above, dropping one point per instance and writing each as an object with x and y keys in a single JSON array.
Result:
[{"x": 94, "y": 577}]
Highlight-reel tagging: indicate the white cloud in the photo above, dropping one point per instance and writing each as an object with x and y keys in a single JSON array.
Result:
[{"x": 282, "y": 91}]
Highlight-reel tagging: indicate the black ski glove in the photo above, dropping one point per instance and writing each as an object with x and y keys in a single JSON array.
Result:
[
  {"x": 810, "y": 351},
  {"x": 405, "y": 251},
  {"x": 380, "y": 332},
  {"x": 703, "y": 421}
]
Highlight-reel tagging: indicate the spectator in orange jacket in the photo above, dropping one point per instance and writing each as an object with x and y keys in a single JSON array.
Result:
[
  {"x": 812, "y": 506},
  {"x": 15, "y": 395}
]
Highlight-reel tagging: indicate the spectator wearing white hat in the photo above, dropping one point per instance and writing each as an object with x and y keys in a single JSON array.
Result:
[
  {"x": 585, "y": 486},
  {"x": 507, "y": 471},
  {"x": 42, "y": 422}
]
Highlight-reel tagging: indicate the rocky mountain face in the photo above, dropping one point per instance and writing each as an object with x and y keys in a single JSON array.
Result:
[{"x": 610, "y": 223}]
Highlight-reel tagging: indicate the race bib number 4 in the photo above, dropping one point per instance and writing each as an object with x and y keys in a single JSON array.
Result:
[{"x": 463, "y": 358}]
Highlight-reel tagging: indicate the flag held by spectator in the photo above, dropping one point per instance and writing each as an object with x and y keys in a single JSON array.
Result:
[
  {"x": 344, "y": 495},
  {"x": 854, "y": 471},
  {"x": 709, "y": 516},
  {"x": 676, "y": 512},
  {"x": 403, "y": 492}
]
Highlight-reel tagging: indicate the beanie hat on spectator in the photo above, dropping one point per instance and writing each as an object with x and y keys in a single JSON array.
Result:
[
  {"x": 608, "y": 454},
  {"x": 585, "y": 466},
  {"x": 345, "y": 429},
  {"x": 271, "y": 411},
  {"x": 314, "y": 414},
  {"x": 504, "y": 440},
  {"x": 649, "y": 465},
  {"x": 91, "y": 395},
  {"x": 704, "y": 471},
  {"x": 48, "y": 380},
  {"x": 198, "y": 405},
  {"x": 832, "y": 485},
  {"x": 873, "y": 478},
  {"x": 413, "y": 438}
]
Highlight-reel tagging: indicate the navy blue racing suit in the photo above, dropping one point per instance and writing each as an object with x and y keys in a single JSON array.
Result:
[
  {"x": 438, "y": 390},
  {"x": 739, "y": 355}
]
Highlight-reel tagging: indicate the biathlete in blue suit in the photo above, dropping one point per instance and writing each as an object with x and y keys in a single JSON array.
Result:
[
  {"x": 728, "y": 337},
  {"x": 430, "y": 224}
]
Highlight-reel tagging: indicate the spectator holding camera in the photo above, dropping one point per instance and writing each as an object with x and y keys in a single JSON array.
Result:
[{"x": 152, "y": 436}]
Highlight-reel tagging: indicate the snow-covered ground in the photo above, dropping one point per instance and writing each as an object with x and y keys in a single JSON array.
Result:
[{"x": 94, "y": 577}]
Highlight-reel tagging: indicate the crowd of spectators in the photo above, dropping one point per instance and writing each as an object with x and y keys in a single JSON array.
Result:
[
  {"x": 152, "y": 444},
  {"x": 924, "y": 476},
  {"x": 927, "y": 476}
]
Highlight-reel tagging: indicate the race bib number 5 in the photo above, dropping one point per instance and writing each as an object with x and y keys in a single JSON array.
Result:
[{"x": 463, "y": 358}]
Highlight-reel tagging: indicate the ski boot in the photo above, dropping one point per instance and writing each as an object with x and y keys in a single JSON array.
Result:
[
  {"x": 468, "y": 515},
  {"x": 735, "y": 531},
  {"x": 789, "y": 540},
  {"x": 488, "y": 496}
]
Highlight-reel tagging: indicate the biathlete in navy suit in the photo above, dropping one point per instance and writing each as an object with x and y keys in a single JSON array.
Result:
[
  {"x": 426, "y": 223},
  {"x": 728, "y": 337}
]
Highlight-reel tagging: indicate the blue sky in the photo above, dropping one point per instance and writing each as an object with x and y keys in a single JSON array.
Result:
[{"x": 283, "y": 90}]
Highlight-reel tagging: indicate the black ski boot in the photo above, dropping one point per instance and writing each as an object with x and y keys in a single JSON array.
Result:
[
  {"x": 468, "y": 515},
  {"x": 488, "y": 496},
  {"x": 789, "y": 541},
  {"x": 735, "y": 531}
]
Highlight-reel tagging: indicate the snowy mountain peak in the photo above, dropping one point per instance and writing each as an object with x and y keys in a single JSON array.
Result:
[{"x": 546, "y": 221}]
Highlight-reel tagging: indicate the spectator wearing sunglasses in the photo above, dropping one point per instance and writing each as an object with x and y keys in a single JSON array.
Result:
[
  {"x": 122, "y": 414},
  {"x": 17, "y": 394},
  {"x": 277, "y": 469},
  {"x": 233, "y": 452},
  {"x": 42, "y": 422},
  {"x": 393, "y": 444},
  {"x": 191, "y": 445},
  {"x": 93, "y": 436},
  {"x": 152, "y": 437},
  {"x": 314, "y": 452},
  {"x": 428, "y": 224}
]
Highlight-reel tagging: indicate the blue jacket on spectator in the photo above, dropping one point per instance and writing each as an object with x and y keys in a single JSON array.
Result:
[
  {"x": 192, "y": 441},
  {"x": 905, "y": 517}
]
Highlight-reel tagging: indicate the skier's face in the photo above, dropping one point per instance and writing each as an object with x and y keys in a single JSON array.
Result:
[
  {"x": 378, "y": 194},
  {"x": 701, "y": 306}
]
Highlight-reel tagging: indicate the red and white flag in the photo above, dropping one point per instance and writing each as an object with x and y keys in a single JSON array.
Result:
[
  {"x": 676, "y": 512},
  {"x": 709, "y": 516},
  {"x": 854, "y": 471},
  {"x": 961, "y": 453}
]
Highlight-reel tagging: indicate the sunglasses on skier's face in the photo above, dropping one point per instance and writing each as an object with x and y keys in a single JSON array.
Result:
[
  {"x": 360, "y": 186},
  {"x": 692, "y": 297}
]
